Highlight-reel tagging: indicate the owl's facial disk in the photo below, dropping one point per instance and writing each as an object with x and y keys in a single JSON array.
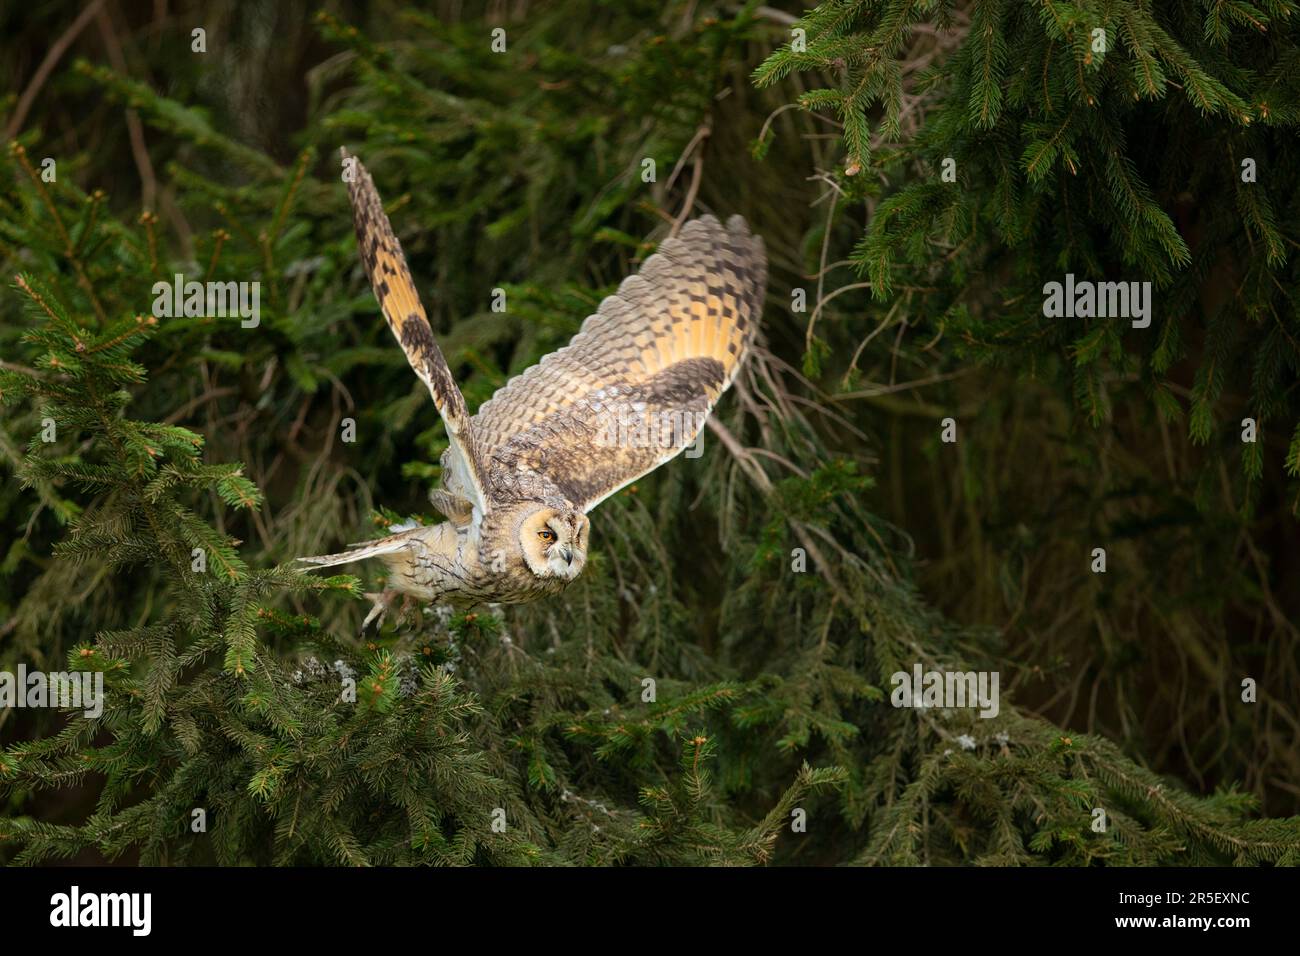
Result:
[{"x": 554, "y": 543}]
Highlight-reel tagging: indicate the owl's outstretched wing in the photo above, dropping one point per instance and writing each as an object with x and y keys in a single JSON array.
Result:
[
  {"x": 390, "y": 279},
  {"x": 634, "y": 386}
]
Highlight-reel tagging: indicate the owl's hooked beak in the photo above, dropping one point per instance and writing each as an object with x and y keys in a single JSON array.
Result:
[{"x": 560, "y": 563}]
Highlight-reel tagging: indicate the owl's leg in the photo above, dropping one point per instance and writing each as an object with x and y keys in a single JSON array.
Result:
[
  {"x": 382, "y": 602},
  {"x": 409, "y": 604}
]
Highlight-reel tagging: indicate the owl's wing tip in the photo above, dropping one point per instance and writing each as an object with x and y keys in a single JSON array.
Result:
[{"x": 738, "y": 223}]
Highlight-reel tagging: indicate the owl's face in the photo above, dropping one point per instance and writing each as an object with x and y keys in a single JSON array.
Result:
[{"x": 554, "y": 542}]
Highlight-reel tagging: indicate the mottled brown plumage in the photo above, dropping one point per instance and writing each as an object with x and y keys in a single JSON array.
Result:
[{"x": 629, "y": 392}]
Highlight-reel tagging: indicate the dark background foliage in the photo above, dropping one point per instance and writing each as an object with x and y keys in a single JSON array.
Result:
[{"x": 522, "y": 171}]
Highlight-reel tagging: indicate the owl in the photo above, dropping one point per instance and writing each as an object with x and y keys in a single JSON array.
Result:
[{"x": 630, "y": 391}]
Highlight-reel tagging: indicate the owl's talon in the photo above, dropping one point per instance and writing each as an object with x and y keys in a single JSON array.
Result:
[{"x": 382, "y": 602}]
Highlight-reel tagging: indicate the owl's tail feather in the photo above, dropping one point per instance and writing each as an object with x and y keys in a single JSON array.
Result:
[{"x": 371, "y": 549}]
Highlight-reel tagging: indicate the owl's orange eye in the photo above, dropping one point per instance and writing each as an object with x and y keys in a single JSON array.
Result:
[{"x": 546, "y": 535}]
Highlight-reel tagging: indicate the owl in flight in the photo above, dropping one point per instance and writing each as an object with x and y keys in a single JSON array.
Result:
[{"x": 628, "y": 393}]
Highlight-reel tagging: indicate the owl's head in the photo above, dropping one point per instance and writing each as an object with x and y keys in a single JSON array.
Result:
[{"x": 554, "y": 542}]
